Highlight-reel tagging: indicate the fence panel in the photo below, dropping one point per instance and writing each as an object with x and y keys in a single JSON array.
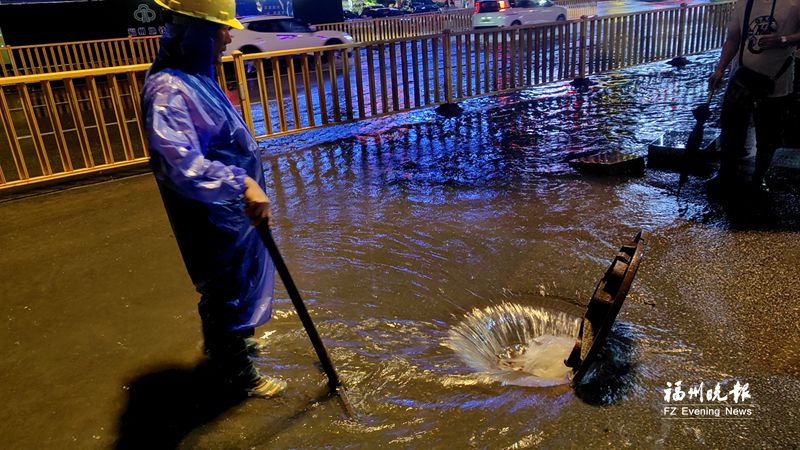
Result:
[
  {"x": 78, "y": 55},
  {"x": 369, "y": 30},
  {"x": 66, "y": 124}
]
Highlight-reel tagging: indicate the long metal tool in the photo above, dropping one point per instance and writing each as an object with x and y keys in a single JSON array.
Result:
[
  {"x": 334, "y": 382},
  {"x": 701, "y": 114}
]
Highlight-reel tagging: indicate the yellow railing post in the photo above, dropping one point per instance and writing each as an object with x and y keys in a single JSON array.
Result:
[
  {"x": 13, "y": 140},
  {"x": 133, "y": 58},
  {"x": 681, "y": 29},
  {"x": 244, "y": 94},
  {"x": 4, "y": 56},
  {"x": 448, "y": 68},
  {"x": 13, "y": 59},
  {"x": 449, "y": 108},
  {"x": 582, "y": 50},
  {"x": 679, "y": 60}
]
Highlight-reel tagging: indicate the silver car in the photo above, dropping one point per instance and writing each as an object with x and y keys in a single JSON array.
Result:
[
  {"x": 271, "y": 33},
  {"x": 503, "y": 13}
]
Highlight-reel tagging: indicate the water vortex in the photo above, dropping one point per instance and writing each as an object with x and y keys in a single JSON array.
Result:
[{"x": 515, "y": 344}]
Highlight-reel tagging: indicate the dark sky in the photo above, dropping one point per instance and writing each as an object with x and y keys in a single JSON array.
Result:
[{"x": 11, "y": 2}]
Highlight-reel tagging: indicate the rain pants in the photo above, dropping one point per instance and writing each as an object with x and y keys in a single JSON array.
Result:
[{"x": 201, "y": 151}]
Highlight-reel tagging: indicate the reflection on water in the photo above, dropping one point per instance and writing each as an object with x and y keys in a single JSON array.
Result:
[
  {"x": 415, "y": 230},
  {"x": 515, "y": 344},
  {"x": 410, "y": 231}
]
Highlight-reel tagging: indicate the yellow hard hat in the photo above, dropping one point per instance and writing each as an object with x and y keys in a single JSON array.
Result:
[{"x": 218, "y": 11}]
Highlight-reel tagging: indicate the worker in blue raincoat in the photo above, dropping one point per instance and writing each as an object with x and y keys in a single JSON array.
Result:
[{"x": 206, "y": 163}]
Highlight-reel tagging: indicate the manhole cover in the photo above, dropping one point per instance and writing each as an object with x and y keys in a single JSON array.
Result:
[
  {"x": 604, "y": 307},
  {"x": 610, "y": 163}
]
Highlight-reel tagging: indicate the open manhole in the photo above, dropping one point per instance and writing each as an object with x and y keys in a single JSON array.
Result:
[
  {"x": 604, "y": 306},
  {"x": 539, "y": 346}
]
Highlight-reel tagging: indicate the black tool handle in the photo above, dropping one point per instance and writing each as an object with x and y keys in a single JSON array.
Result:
[
  {"x": 297, "y": 301},
  {"x": 701, "y": 114},
  {"x": 334, "y": 382}
]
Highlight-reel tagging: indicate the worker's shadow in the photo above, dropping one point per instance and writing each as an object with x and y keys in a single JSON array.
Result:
[{"x": 166, "y": 405}]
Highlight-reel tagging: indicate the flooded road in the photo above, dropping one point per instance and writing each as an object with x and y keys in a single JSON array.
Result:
[{"x": 395, "y": 231}]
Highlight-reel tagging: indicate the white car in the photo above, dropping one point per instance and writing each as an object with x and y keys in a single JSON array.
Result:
[
  {"x": 273, "y": 33},
  {"x": 503, "y": 13}
]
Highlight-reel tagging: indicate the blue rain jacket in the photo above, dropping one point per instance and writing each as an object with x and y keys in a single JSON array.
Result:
[{"x": 201, "y": 151}]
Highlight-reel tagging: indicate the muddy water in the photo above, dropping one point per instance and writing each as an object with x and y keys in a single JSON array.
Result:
[
  {"x": 395, "y": 231},
  {"x": 398, "y": 232}
]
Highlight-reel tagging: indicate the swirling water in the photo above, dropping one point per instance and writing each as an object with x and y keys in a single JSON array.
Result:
[{"x": 515, "y": 344}]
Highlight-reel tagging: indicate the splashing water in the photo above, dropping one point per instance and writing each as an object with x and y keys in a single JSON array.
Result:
[{"x": 518, "y": 345}]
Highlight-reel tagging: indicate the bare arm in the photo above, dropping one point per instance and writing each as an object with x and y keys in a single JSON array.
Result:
[
  {"x": 729, "y": 50},
  {"x": 777, "y": 41}
]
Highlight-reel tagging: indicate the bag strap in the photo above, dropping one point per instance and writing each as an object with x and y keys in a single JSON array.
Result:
[
  {"x": 745, "y": 34},
  {"x": 745, "y": 30}
]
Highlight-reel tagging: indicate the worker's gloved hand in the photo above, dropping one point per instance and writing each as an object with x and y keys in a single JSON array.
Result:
[{"x": 256, "y": 203}]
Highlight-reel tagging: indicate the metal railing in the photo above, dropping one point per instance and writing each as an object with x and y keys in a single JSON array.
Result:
[
  {"x": 59, "y": 125},
  {"x": 72, "y": 123},
  {"x": 289, "y": 92},
  {"x": 79, "y": 55},
  {"x": 82, "y": 55},
  {"x": 371, "y": 30}
]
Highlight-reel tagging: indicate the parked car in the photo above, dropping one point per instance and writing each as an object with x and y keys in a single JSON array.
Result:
[
  {"x": 424, "y": 7},
  {"x": 497, "y": 13},
  {"x": 271, "y": 33},
  {"x": 349, "y": 15},
  {"x": 373, "y": 12}
]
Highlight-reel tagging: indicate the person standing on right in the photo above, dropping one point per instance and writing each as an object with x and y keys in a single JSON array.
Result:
[{"x": 762, "y": 35}]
